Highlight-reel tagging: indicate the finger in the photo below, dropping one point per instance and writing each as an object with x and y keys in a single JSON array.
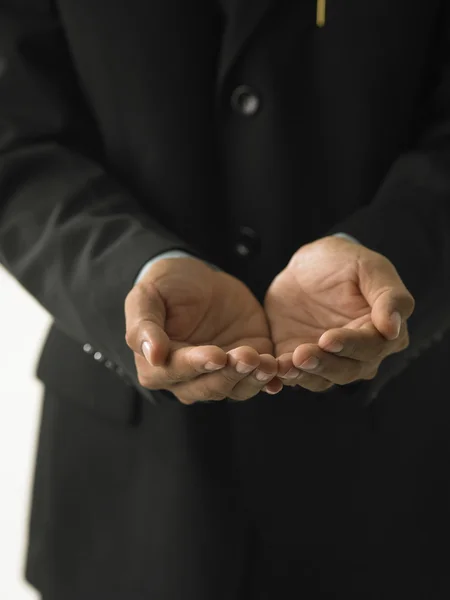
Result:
[
  {"x": 287, "y": 373},
  {"x": 184, "y": 364},
  {"x": 257, "y": 380},
  {"x": 145, "y": 316},
  {"x": 219, "y": 385},
  {"x": 311, "y": 359},
  {"x": 313, "y": 383},
  {"x": 273, "y": 387},
  {"x": 291, "y": 376},
  {"x": 389, "y": 298},
  {"x": 364, "y": 344}
]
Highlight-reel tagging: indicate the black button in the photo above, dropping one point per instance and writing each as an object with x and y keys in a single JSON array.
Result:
[
  {"x": 245, "y": 101},
  {"x": 247, "y": 243}
]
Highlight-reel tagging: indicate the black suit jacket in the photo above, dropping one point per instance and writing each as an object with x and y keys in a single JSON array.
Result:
[{"x": 123, "y": 135}]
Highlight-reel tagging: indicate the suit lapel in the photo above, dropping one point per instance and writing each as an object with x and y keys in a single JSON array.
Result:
[
  {"x": 248, "y": 15},
  {"x": 241, "y": 24}
]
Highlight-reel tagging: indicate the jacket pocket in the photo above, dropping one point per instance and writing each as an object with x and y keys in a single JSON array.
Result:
[{"x": 73, "y": 375}]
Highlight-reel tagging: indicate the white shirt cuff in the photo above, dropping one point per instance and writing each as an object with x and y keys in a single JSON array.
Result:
[
  {"x": 151, "y": 262},
  {"x": 347, "y": 237}
]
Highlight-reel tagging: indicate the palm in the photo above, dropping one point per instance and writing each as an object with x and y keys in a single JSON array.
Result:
[
  {"x": 206, "y": 307},
  {"x": 317, "y": 291}
]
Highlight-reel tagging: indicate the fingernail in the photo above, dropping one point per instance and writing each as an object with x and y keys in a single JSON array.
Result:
[
  {"x": 335, "y": 346},
  {"x": 210, "y": 366},
  {"x": 146, "y": 351},
  {"x": 291, "y": 374},
  {"x": 243, "y": 368},
  {"x": 310, "y": 364},
  {"x": 270, "y": 392},
  {"x": 261, "y": 376},
  {"x": 396, "y": 320}
]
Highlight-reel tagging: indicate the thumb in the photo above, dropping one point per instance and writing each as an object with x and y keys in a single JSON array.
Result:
[
  {"x": 385, "y": 292},
  {"x": 145, "y": 316}
]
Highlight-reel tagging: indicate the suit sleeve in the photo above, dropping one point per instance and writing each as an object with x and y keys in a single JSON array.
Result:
[
  {"x": 408, "y": 221},
  {"x": 72, "y": 236}
]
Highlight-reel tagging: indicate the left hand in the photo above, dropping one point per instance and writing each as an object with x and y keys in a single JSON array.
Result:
[{"x": 336, "y": 311}]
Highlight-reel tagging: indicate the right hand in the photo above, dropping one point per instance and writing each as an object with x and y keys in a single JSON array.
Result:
[{"x": 199, "y": 333}]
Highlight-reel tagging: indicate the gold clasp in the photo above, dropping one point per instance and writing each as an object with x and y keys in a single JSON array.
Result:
[{"x": 321, "y": 12}]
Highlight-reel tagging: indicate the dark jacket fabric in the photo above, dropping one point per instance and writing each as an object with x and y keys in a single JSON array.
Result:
[{"x": 125, "y": 131}]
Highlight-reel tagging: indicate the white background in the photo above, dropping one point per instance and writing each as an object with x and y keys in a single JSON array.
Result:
[{"x": 23, "y": 325}]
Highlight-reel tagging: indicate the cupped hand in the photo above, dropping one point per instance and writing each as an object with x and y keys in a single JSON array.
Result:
[
  {"x": 335, "y": 312},
  {"x": 199, "y": 333}
]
